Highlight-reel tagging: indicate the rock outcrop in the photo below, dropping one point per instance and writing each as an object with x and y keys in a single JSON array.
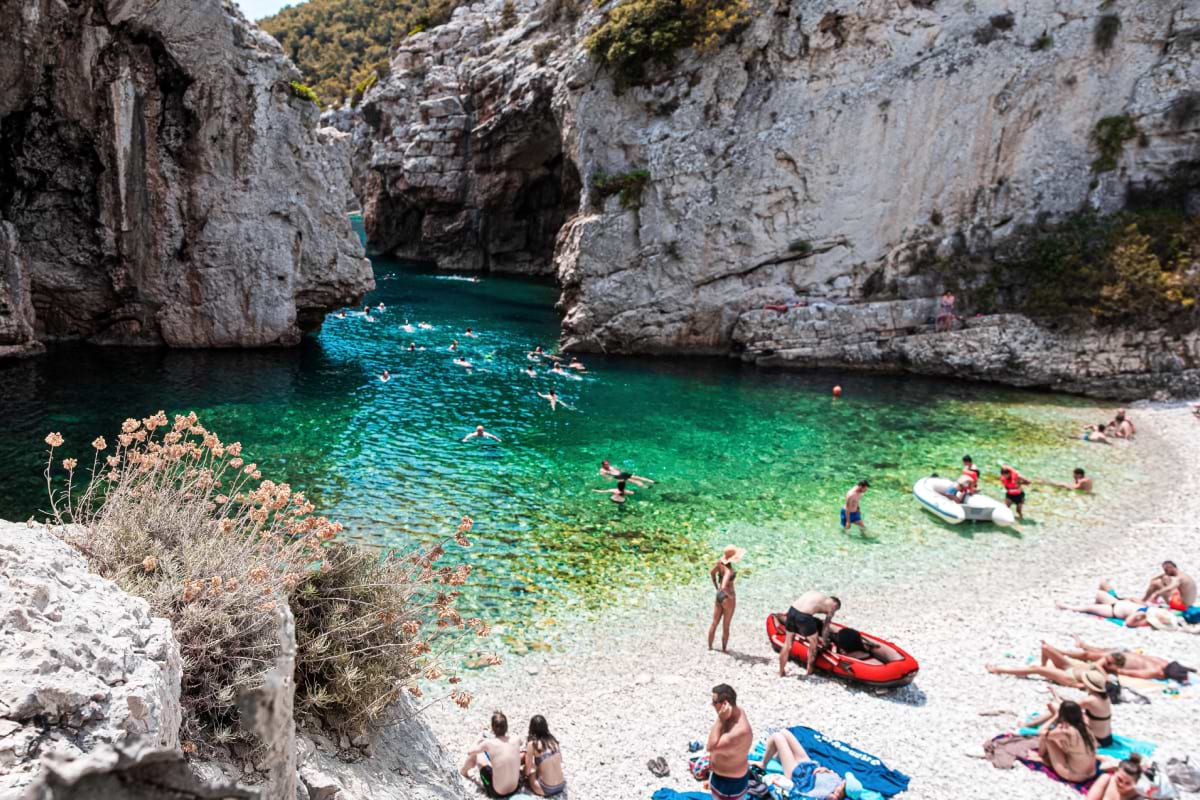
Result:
[
  {"x": 82, "y": 664},
  {"x": 814, "y": 158},
  {"x": 90, "y": 704},
  {"x": 160, "y": 181}
]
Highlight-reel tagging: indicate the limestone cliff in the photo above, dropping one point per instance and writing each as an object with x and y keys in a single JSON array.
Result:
[
  {"x": 160, "y": 182},
  {"x": 819, "y": 157}
]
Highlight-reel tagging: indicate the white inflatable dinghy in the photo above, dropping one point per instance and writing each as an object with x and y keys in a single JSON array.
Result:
[{"x": 933, "y": 495}]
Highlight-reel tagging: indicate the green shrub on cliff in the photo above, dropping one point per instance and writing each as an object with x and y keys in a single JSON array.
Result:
[
  {"x": 339, "y": 43},
  {"x": 638, "y": 33},
  {"x": 304, "y": 92},
  {"x": 1109, "y": 137},
  {"x": 175, "y": 516},
  {"x": 627, "y": 185}
]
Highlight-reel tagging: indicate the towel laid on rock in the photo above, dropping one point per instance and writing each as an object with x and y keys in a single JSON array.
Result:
[{"x": 841, "y": 757}]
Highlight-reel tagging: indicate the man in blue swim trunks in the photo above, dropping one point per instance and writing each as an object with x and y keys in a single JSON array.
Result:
[
  {"x": 729, "y": 746},
  {"x": 851, "y": 512}
]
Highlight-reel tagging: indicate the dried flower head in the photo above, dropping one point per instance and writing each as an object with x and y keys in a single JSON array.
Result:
[
  {"x": 236, "y": 463},
  {"x": 54, "y": 439},
  {"x": 69, "y": 464},
  {"x": 149, "y": 563},
  {"x": 461, "y": 698},
  {"x": 259, "y": 574},
  {"x": 492, "y": 660},
  {"x": 99, "y": 443},
  {"x": 415, "y": 690}
]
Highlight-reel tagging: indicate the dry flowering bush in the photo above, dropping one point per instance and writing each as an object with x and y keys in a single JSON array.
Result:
[{"x": 174, "y": 515}]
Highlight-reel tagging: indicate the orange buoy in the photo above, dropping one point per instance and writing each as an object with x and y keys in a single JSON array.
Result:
[{"x": 837, "y": 391}]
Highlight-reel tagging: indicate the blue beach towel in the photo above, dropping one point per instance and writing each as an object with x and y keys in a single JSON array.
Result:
[
  {"x": 670, "y": 794},
  {"x": 840, "y": 757},
  {"x": 1120, "y": 749}
]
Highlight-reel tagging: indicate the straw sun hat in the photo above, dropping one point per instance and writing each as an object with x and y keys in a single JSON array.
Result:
[
  {"x": 1162, "y": 619},
  {"x": 732, "y": 554},
  {"x": 1094, "y": 679}
]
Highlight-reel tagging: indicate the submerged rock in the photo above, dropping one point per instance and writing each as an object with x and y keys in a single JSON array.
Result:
[
  {"x": 825, "y": 154},
  {"x": 164, "y": 182}
]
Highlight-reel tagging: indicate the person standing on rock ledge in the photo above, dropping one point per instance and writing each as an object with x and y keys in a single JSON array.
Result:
[
  {"x": 851, "y": 512},
  {"x": 729, "y": 746}
]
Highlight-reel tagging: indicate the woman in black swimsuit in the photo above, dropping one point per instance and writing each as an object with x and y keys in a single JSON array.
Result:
[{"x": 723, "y": 575}]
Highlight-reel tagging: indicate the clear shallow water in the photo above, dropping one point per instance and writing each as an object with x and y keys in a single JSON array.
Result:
[{"x": 759, "y": 458}]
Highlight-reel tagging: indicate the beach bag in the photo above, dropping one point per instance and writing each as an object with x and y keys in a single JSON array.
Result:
[
  {"x": 1192, "y": 615},
  {"x": 699, "y": 766}
]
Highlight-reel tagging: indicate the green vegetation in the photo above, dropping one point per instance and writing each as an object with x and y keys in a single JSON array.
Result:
[
  {"x": 1110, "y": 136},
  {"x": 802, "y": 247},
  {"x": 638, "y": 33},
  {"x": 1003, "y": 22},
  {"x": 304, "y": 92},
  {"x": 338, "y": 44},
  {"x": 175, "y": 516},
  {"x": 1043, "y": 42},
  {"x": 362, "y": 87},
  {"x": 1132, "y": 268},
  {"x": 628, "y": 185},
  {"x": 508, "y": 15},
  {"x": 1106, "y": 32}
]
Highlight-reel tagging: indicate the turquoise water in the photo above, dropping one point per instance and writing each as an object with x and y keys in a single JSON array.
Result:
[{"x": 763, "y": 458}]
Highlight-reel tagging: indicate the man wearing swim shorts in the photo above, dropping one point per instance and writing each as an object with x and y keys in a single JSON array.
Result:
[
  {"x": 729, "y": 746},
  {"x": 802, "y": 622},
  {"x": 1014, "y": 495},
  {"x": 498, "y": 759},
  {"x": 851, "y": 512},
  {"x": 1172, "y": 587}
]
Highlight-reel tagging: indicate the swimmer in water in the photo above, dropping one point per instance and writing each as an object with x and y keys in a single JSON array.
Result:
[
  {"x": 453, "y": 344},
  {"x": 471, "y": 333},
  {"x": 462, "y": 362},
  {"x": 380, "y": 307},
  {"x": 535, "y": 354},
  {"x": 480, "y": 433},
  {"x": 341, "y": 315},
  {"x": 553, "y": 398},
  {"x": 412, "y": 347},
  {"x": 1082, "y": 482},
  {"x": 609, "y": 471},
  {"x": 366, "y": 311},
  {"x": 424, "y": 326},
  {"x": 370, "y": 318},
  {"x": 618, "y": 494},
  {"x": 577, "y": 365},
  {"x": 385, "y": 376},
  {"x": 407, "y": 328},
  {"x": 531, "y": 372}
]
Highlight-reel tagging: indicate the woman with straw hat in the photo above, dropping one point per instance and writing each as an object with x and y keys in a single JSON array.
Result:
[{"x": 723, "y": 575}]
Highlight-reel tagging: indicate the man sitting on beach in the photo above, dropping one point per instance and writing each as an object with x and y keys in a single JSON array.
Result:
[
  {"x": 498, "y": 758},
  {"x": 1121, "y": 426},
  {"x": 802, "y": 622},
  {"x": 729, "y": 746},
  {"x": 1172, "y": 587},
  {"x": 1127, "y": 663}
]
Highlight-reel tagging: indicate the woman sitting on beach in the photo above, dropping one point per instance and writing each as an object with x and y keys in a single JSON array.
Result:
[
  {"x": 799, "y": 768},
  {"x": 1120, "y": 784},
  {"x": 723, "y": 575},
  {"x": 1066, "y": 745},
  {"x": 543, "y": 760},
  {"x": 1097, "y": 708}
]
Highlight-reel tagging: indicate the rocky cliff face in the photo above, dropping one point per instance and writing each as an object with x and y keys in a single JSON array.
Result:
[
  {"x": 814, "y": 159},
  {"x": 89, "y": 704},
  {"x": 160, "y": 182}
]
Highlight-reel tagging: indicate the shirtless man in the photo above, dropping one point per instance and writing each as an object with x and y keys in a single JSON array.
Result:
[
  {"x": 618, "y": 494},
  {"x": 802, "y": 622},
  {"x": 1082, "y": 482},
  {"x": 535, "y": 353},
  {"x": 1095, "y": 434},
  {"x": 470, "y": 334},
  {"x": 462, "y": 362},
  {"x": 385, "y": 376},
  {"x": 729, "y": 746},
  {"x": 577, "y": 365},
  {"x": 553, "y": 398},
  {"x": 498, "y": 758},
  {"x": 531, "y": 372},
  {"x": 851, "y": 513},
  {"x": 1128, "y": 663},
  {"x": 1121, "y": 426},
  {"x": 609, "y": 471},
  {"x": 1172, "y": 587},
  {"x": 479, "y": 432}
]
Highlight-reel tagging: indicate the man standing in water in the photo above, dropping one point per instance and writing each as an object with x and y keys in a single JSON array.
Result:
[
  {"x": 802, "y": 622},
  {"x": 851, "y": 513},
  {"x": 1014, "y": 495},
  {"x": 729, "y": 746}
]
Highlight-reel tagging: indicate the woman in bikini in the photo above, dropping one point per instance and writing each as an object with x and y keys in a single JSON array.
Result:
[
  {"x": 543, "y": 760},
  {"x": 1097, "y": 708},
  {"x": 799, "y": 765},
  {"x": 1106, "y": 605},
  {"x": 1067, "y": 746},
  {"x": 723, "y": 575}
]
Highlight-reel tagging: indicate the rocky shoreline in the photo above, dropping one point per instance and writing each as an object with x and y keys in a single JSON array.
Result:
[{"x": 635, "y": 684}]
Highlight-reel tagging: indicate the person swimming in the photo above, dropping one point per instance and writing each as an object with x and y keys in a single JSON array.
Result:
[
  {"x": 1095, "y": 434},
  {"x": 618, "y": 494},
  {"x": 609, "y": 471},
  {"x": 462, "y": 362},
  {"x": 470, "y": 333},
  {"x": 558, "y": 370},
  {"x": 407, "y": 328},
  {"x": 412, "y": 347},
  {"x": 535, "y": 353},
  {"x": 341, "y": 315},
  {"x": 453, "y": 345},
  {"x": 385, "y": 376},
  {"x": 424, "y": 326},
  {"x": 380, "y": 307},
  {"x": 480, "y": 433},
  {"x": 553, "y": 398},
  {"x": 576, "y": 364},
  {"x": 531, "y": 372}
]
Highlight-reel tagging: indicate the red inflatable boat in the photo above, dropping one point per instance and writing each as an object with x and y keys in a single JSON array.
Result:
[{"x": 891, "y": 666}]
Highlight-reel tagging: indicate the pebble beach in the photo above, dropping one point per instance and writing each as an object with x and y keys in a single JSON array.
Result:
[{"x": 635, "y": 682}]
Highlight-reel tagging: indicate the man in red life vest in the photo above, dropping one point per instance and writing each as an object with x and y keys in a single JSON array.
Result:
[
  {"x": 1014, "y": 495},
  {"x": 971, "y": 471}
]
